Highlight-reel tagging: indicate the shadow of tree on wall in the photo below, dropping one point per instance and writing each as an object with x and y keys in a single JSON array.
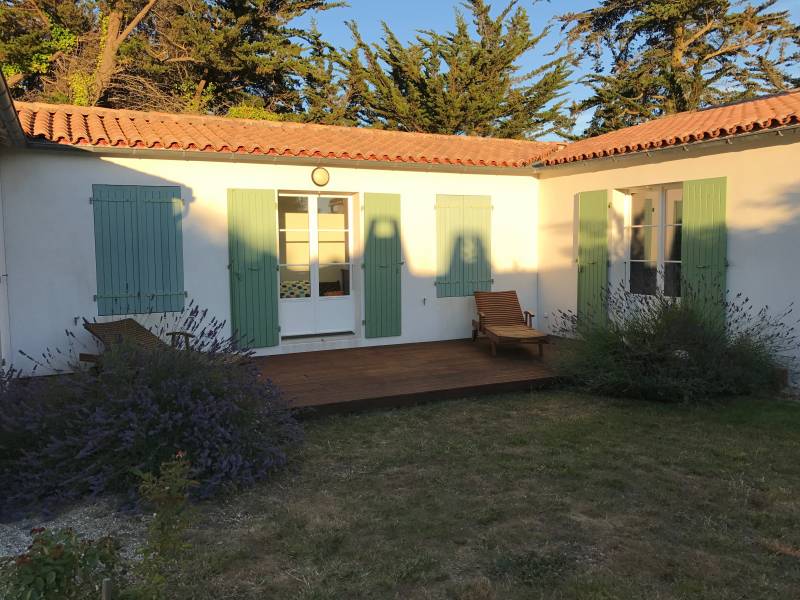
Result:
[
  {"x": 468, "y": 268},
  {"x": 382, "y": 277}
]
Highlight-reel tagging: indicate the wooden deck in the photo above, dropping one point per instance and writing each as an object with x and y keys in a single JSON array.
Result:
[{"x": 383, "y": 376}]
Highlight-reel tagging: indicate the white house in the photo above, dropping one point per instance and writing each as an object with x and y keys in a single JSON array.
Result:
[{"x": 309, "y": 237}]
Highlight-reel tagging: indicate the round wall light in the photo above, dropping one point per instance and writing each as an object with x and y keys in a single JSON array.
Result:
[{"x": 320, "y": 176}]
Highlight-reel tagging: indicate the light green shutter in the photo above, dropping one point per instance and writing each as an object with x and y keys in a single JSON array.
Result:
[
  {"x": 449, "y": 222},
  {"x": 704, "y": 243},
  {"x": 116, "y": 248},
  {"x": 382, "y": 265},
  {"x": 592, "y": 256},
  {"x": 253, "y": 265},
  {"x": 463, "y": 245},
  {"x": 160, "y": 249},
  {"x": 476, "y": 251},
  {"x": 138, "y": 249}
]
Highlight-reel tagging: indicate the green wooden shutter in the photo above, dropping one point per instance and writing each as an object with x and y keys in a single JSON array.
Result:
[
  {"x": 449, "y": 222},
  {"x": 592, "y": 256},
  {"x": 138, "y": 249},
  {"x": 116, "y": 248},
  {"x": 704, "y": 243},
  {"x": 382, "y": 265},
  {"x": 463, "y": 245},
  {"x": 253, "y": 265},
  {"x": 476, "y": 251},
  {"x": 160, "y": 249}
]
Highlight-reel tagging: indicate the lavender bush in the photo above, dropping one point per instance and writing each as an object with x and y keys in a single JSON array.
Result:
[
  {"x": 87, "y": 432},
  {"x": 659, "y": 348}
]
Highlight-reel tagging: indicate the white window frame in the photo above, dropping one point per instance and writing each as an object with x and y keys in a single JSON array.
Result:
[{"x": 659, "y": 218}]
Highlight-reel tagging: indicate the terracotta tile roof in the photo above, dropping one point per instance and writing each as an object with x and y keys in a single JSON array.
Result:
[
  {"x": 764, "y": 113},
  {"x": 82, "y": 126}
]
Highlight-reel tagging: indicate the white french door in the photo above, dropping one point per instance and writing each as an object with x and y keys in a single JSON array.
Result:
[{"x": 315, "y": 268}]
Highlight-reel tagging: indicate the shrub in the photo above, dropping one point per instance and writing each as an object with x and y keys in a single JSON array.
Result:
[
  {"x": 85, "y": 433},
  {"x": 59, "y": 566},
  {"x": 657, "y": 348},
  {"x": 167, "y": 495}
]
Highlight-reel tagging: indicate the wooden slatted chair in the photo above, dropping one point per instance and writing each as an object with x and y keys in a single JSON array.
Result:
[
  {"x": 501, "y": 319},
  {"x": 128, "y": 330}
]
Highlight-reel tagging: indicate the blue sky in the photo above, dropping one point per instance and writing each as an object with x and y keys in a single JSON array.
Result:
[{"x": 408, "y": 16}]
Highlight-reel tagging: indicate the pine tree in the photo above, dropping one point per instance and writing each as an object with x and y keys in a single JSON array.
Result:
[
  {"x": 658, "y": 57},
  {"x": 173, "y": 55},
  {"x": 455, "y": 83}
]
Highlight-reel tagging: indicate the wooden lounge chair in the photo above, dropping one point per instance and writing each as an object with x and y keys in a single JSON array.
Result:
[
  {"x": 128, "y": 330},
  {"x": 500, "y": 318}
]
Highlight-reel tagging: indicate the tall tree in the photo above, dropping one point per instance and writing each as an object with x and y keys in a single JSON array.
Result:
[
  {"x": 36, "y": 33},
  {"x": 175, "y": 55},
  {"x": 657, "y": 57},
  {"x": 213, "y": 55},
  {"x": 459, "y": 84},
  {"x": 68, "y": 48}
]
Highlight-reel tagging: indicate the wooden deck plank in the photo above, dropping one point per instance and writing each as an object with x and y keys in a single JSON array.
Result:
[{"x": 380, "y": 376}]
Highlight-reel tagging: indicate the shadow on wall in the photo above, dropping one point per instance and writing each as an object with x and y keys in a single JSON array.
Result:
[
  {"x": 467, "y": 270},
  {"x": 51, "y": 286},
  {"x": 54, "y": 281},
  {"x": 763, "y": 248}
]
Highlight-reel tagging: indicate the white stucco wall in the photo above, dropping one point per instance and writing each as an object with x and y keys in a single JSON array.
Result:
[
  {"x": 50, "y": 238},
  {"x": 5, "y": 340},
  {"x": 763, "y": 215}
]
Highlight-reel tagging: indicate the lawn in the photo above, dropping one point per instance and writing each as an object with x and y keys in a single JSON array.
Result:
[{"x": 549, "y": 495}]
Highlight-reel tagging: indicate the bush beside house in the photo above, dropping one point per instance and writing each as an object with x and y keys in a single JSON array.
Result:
[
  {"x": 659, "y": 348},
  {"x": 89, "y": 432}
]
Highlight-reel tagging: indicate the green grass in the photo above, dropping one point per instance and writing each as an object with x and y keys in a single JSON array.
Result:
[{"x": 550, "y": 495}]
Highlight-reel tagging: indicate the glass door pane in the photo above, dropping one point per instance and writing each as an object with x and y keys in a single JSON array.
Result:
[
  {"x": 294, "y": 247},
  {"x": 673, "y": 226},
  {"x": 643, "y": 250},
  {"x": 333, "y": 246}
]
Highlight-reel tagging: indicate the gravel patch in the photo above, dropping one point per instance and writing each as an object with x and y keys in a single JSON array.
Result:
[{"x": 91, "y": 520}]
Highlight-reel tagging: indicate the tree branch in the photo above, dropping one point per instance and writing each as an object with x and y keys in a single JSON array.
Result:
[
  {"x": 135, "y": 21},
  {"x": 14, "y": 79}
]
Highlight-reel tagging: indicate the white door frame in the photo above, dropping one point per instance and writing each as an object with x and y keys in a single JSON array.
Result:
[{"x": 316, "y": 314}]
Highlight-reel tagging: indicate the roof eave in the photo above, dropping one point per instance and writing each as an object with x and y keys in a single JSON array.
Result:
[
  {"x": 347, "y": 163},
  {"x": 541, "y": 165}
]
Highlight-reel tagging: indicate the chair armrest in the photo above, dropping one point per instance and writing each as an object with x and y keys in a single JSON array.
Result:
[
  {"x": 529, "y": 318},
  {"x": 173, "y": 336}
]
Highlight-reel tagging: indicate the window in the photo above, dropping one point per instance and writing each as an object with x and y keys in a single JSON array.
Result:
[
  {"x": 654, "y": 240},
  {"x": 138, "y": 249},
  {"x": 463, "y": 245},
  {"x": 314, "y": 246}
]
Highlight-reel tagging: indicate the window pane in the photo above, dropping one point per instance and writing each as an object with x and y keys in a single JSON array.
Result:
[
  {"x": 295, "y": 282},
  {"x": 672, "y": 243},
  {"x": 642, "y": 243},
  {"x": 334, "y": 280},
  {"x": 332, "y": 213},
  {"x": 642, "y": 208},
  {"x": 293, "y": 248},
  {"x": 672, "y": 279},
  {"x": 674, "y": 206},
  {"x": 292, "y": 212},
  {"x": 643, "y": 278},
  {"x": 334, "y": 251}
]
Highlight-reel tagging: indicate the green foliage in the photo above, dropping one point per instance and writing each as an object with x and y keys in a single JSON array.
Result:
[
  {"x": 87, "y": 432},
  {"x": 657, "y": 348},
  {"x": 59, "y": 566},
  {"x": 668, "y": 56},
  {"x": 453, "y": 83},
  {"x": 250, "y": 111},
  {"x": 80, "y": 85},
  {"x": 167, "y": 494}
]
